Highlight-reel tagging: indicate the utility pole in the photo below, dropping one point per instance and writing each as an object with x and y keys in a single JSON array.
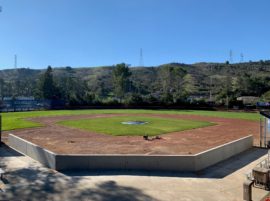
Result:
[
  {"x": 241, "y": 57},
  {"x": 227, "y": 87},
  {"x": 231, "y": 56},
  {"x": 15, "y": 61},
  {"x": 211, "y": 84},
  {"x": 141, "y": 63}
]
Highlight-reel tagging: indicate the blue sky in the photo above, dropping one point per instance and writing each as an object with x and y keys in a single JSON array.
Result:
[{"x": 105, "y": 32}]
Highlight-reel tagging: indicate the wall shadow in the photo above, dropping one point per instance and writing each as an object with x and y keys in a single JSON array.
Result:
[
  {"x": 31, "y": 181},
  {"x": 35, "y": 182},
  {"x": 6, "y": 151},
  {"x": 217, "y": 171},
  {"x": 229, "y": 166}
]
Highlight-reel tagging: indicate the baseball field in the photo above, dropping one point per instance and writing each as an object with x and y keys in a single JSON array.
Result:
[{"x": 107, "y": 131}]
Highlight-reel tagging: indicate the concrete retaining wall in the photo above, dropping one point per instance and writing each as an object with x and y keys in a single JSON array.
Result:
[
  {"x": 190, "y": 163},
  {"x": 222, "y": 152},
  {"x": 125, "y": 162},
  {"x": 45, "y": 157}
]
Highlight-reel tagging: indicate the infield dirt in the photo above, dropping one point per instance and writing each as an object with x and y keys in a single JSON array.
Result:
[{"x": 66, "y": 140}]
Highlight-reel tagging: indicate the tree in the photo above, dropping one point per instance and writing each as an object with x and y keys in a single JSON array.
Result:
[
  {"x": 98, "y": 87},
  {"x": 266, "y": 97},
  {"x": 172, "y": 83},
  {"x": 189, "y": 84},
  {"x": 2, "y": 85},
  {"x": 67, "y": 83},
  {"x": 121, "y": 80},
  {"x": 47, "y": 87}
]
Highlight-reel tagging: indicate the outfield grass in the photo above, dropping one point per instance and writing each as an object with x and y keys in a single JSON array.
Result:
[
  {"x": 16, "y": 120},
  {"x": 154, "y": 125}
]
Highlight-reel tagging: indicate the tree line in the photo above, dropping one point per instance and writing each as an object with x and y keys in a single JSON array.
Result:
[{"x": 169, "y": 84}]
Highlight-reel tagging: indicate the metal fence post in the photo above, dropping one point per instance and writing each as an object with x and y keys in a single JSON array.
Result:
[
  {"x": 265, "y": 131},
  {"x": 0, "y": 129},
  {"x": 261, "y": 130},
  {"x": 247, "y": 190}
]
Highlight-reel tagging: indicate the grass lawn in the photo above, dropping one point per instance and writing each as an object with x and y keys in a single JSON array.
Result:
[
  {"x": 17, "y": 120},
  {"x": 155, "y": 126}
]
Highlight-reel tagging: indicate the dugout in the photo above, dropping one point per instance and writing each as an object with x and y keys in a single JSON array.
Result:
[{"x": 265, "y": 129}]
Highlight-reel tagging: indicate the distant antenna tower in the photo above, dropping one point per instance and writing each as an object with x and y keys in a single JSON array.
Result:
[
  {"x": 141, "y": 58},
  {"x": 241, "y": 57},
  {"x": 231, "y": 56},
  {"x": 15, "y": 61}
]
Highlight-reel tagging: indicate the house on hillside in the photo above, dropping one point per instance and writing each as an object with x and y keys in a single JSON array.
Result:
[{"x": 248, "y": 100}]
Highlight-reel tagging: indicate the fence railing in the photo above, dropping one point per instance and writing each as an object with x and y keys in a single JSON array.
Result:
[{"x": 29, "y": 105}]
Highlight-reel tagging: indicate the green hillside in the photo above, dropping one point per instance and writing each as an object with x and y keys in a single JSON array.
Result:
[{"x": 169, "y": 83}]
